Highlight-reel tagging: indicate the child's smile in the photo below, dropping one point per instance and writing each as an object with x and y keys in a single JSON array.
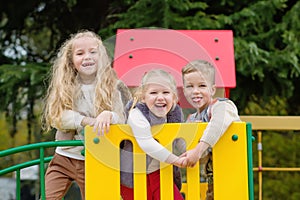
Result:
[
  {"x": 196, "y": 99},
  {"x": 88, "y": 64},
  {"x": 197, "y": 90},
  {"x": 159, "y": 99},
  {"x": 85, "y": 58}
]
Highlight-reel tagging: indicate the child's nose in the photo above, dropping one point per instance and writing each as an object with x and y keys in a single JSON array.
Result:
[
  {"x": 87, "y": 56},
  {"x": 196, "y": 90},
  {"x": 160, "y": 96}
]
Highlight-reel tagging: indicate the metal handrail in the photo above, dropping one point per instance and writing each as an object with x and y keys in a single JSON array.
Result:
[
  {"x": 264, "y": 123},
  {"x": 27, "y": 147},
  {"x": 41, "y": 161},
  {"x": 23, "y": 165}
]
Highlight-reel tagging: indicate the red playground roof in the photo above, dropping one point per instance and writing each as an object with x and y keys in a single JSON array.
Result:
[{"x": 140, "y": 50}]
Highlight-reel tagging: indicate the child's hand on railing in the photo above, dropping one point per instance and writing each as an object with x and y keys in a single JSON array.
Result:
[{"x": 102, "y": 122}]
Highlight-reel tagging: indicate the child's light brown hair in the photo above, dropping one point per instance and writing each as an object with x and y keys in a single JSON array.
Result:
[{"x": 206, "y": 69}]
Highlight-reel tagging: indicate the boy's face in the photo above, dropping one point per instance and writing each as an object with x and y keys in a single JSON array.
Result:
[
  {"x": 85, "y": 57},
  {"x": 159, "y": 99},
  {"x": 198, "y": 90}
]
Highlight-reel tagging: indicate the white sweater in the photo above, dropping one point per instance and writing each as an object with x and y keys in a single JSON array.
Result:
[
  {"x": 71, "y": 123},
  {"x": 223, "y": 113},
  {"x": 141, "y": 129}
]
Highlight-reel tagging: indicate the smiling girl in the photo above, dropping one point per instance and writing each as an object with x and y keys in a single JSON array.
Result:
[
  {"x": 83, "y": 90},
  {"x": 156, "y": 103}
]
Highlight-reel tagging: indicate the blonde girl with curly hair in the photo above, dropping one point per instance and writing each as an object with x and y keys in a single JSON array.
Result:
[{"x": 83, "y": 90}]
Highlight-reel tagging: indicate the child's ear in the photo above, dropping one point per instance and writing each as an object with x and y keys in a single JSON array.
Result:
[{"x": 213, "y": 90}]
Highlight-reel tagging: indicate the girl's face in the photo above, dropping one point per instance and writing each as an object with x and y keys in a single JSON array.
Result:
[
  {"x": 159, "y": 99},
  {"x": 198, "y": 90},
  {"x": 85, "y": 58}
]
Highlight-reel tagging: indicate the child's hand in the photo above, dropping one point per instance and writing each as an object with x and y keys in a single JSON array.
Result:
[
  {"x": 102, "y": 122},
  {"x": 191, "y": 158},
  {"x": 193, "y": 155},
  {"x": 180, "y": 162}
]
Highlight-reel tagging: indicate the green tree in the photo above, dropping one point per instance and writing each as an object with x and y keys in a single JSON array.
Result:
[
  {"x": 29, "y": 37},
  {"x": 266, "y": 40},
  {"x": 30, "y": 33}
]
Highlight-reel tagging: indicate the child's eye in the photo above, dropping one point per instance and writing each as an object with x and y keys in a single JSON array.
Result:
[
  {"x": 78, "y": 52},
  {"x": 166, "y": 92},
  {"x": 153, "y": 92},
  {"x": 188, "y": 86}
]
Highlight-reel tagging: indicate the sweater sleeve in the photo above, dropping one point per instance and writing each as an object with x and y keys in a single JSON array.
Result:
[
  {"x": 71, "y": 120},
  {"x": 142, "y": 132},
  {"x": 115, "y": 118},
  {"x": 223, "y": 114}
]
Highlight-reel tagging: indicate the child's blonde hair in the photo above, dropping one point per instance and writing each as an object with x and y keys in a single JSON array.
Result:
[
  {"x": 206, "y": 69},
  {"x": 157, "y": 76},
  {"x": 64, "y": 86}
]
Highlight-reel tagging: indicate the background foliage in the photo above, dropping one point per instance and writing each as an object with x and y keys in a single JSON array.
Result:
[{"x": 266, "y": 43}]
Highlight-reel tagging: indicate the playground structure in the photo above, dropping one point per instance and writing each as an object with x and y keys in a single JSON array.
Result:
[
  {"x": 265, "y": 123},
  {"x": 258, "y": 123},
  {"x": 232, "y": 166},
  {"x": 137, "y": 51},
  {"x": 140, "y": 50}
]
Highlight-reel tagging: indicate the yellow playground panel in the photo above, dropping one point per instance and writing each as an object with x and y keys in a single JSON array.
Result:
[{"x": 232, "y": 166}]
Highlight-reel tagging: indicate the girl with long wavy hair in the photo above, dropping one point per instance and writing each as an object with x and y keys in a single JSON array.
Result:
[{"x": 83, "y": 90}]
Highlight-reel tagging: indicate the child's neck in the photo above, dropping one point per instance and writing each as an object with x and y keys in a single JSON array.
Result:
[{"x": 87, "y": 80}]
